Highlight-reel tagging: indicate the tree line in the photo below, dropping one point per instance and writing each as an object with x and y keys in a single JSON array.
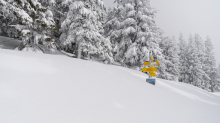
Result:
[{"x": 125, "y": 35}]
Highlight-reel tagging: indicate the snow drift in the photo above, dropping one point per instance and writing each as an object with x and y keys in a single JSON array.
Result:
[{"x": 38, "y": 88}]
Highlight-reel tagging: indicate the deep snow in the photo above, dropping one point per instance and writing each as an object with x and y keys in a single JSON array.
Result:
[
  {"x": 39, "y": 88},
  {"x": 8, "y": 43}
]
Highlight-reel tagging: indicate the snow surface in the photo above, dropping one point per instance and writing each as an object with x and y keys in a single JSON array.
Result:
[
  {"x": 39, "y": 88},
  {"x": 12, "y": 44},
  {"x": 8, "y": 43}
]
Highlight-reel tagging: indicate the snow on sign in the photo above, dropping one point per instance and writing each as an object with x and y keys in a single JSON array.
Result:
[
  {"x": 152, "y": 63},
  {"x": 151, "y": 70}
]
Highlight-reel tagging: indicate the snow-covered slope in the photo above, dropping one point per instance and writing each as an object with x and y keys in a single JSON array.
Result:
[
  {"x": 38, "y": 88},
  {"x": 8, "y": 43}
]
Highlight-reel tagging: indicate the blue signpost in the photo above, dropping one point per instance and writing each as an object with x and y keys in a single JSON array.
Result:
[{"x": 151, "y": 81}]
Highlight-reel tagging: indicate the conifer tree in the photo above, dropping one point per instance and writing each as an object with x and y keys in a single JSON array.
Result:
[
  {"x": 195, "y": 74},
  {"x": 27, "y": 20},
  {"x": 200, "y": 48},
  {"x": 82, "y": 30},
  {"x": 210, "y": 64},
  {"x": 182, "y": 58},
  {"x": 189, "y": 77},
  {"x": 171, "y": 52},
  {"x": 120, "y": 27},
  {"x": 134, "y": 34},
  {"x": 55, "y": 7},
  {"x": 217, "y": 86},
  {"x": 148, "y": 34}
]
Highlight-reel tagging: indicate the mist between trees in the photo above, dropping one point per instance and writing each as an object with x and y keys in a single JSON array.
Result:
[{"x": 123, "y": 35}]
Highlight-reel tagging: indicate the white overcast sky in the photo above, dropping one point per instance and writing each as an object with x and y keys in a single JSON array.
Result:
[{"x": 188, "y": 16}]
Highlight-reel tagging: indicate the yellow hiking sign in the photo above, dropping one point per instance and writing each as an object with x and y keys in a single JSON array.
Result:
[
  {"x": 152, "y": 74},
  {"x": 152, "y": 69},
  {"x": 148, "y": 63},
  {"x": 152, "y": 58},
  {"x": 149, "y": 69}
]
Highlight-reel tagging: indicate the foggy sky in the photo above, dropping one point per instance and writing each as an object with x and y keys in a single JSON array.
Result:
[{"x": 189, "y": 17}]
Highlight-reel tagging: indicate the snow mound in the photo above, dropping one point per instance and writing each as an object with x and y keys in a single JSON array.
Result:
[{"x": 39, "y": 88}]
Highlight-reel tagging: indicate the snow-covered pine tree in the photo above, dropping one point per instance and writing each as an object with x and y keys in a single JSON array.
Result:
[
  {"x": 54, "y": 7},
  {"x": 215, "y": 80},
  {"x": 200, "y": 48},
  {"x": 217, "y": 86},
  {"x": 210, "y": 65},
  {"x": 147, "y": 37},
  {"x": 218, "y": 68},
  {"x": 162, "y": 72},
  {"x": 27, "y": 20},
  {"x": 133, "y": 32},
  {"x": 82, "y": 30},
  {"x": 171, "y": 52},
  {"x": 5, "y": 17},
  {"x": 190, "y": 56},
  {"x": 195, "y": 74},
  {"x": 120, "y": 27},
  {"x": 182, "y": 58}
]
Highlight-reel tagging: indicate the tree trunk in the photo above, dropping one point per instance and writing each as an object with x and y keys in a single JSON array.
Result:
[
  {"x": 212, "y": 90},
  {"x": 79, "y": 51}
]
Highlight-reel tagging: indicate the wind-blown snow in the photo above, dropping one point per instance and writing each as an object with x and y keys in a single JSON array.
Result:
[{"x": 38, "y": 88}]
